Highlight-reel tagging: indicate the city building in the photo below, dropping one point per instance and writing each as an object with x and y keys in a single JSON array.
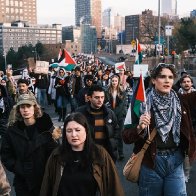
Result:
[
  {"x": 88, "y": 12},
  {"x": 169, "y": 7},
  {"x": 193, "y": 14},
  {"x": 88, "y": 39},
  {"x": 16, "y": 34},
  {"x": 142, "y": 26},
  {"x": 119, "y": 23},
  {"x": 106, "y": 18},
  {"x": 13, "y": 10},
  {"x": 70, "y": 33}
]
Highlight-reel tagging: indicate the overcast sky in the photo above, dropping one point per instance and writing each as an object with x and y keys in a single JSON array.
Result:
[{"x": 63, "y": 11}]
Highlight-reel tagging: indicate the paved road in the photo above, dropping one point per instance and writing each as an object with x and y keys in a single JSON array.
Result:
[{"x": 131, "y": 189}]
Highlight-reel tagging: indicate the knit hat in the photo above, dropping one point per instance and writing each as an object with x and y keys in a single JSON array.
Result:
[{"x": 26, "y": 99}]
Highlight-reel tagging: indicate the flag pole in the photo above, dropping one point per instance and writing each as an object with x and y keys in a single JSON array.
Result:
[{"x": 146, "y": 107}]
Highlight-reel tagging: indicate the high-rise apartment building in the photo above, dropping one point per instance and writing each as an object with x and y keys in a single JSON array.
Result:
[
  {"x": 106, "y": 18},
  {"x": 119, "y": 23},
  {"x": 15, "y": 35},
  {"x": 169, "y": 7},
  {"x": 142, "y": 26},
  {"x": 88, "y": 12},
  {"x": 14, "y": 10}
]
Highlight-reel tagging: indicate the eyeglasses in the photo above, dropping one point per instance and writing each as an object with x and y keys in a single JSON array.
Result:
[{"x": 164, "y": 65}]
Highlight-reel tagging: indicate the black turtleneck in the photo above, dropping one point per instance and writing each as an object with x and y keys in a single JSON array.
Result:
[{"x": 77, "y": 180}]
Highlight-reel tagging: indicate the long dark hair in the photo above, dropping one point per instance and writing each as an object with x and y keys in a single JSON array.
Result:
[{"x": 89, "y": 146}]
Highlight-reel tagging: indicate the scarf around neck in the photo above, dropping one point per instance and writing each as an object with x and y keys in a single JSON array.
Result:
[{"x": 167, "y": 113}]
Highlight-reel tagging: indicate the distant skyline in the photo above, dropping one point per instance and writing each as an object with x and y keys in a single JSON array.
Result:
[{"x": 63, "y": 11}]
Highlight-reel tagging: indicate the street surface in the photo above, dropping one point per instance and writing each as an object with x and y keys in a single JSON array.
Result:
[{"x": 130, "y": 189}]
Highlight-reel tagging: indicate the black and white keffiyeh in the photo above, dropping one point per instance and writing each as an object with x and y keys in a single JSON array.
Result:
[{"x": 167, "y": 113}]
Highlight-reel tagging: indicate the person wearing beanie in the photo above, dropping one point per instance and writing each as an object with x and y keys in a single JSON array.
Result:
[{"x": 27, "y": 144}]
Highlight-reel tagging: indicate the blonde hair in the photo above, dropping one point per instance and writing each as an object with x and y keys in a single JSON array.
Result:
[
  {"x": 119, "y": 88},
  {"x": 37, "y": 112}
]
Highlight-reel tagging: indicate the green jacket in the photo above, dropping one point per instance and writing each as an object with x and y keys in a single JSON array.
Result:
[{"x": 104, "y": 172}]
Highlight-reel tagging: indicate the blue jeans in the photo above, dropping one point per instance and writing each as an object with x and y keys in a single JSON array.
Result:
[
  {"x": 62, "y": 102},
  {"x": 167, "y": 179},
  {"x": 41, "y": 97}
]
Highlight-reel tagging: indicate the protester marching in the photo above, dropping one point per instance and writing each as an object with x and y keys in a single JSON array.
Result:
[{"x": 102, "y": 108}]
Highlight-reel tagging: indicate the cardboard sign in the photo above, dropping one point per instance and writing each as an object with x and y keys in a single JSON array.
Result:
[
  {"x": 138, "y": 69},
  {"x": 41, "y": 67}
]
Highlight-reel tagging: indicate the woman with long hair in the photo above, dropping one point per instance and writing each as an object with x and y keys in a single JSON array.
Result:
[
  {"x": 78, "y": 166},
  {"x": 27, "y": 145},
  {"x": 116, "y": 100},
  {"x": 162, "y": 172}
]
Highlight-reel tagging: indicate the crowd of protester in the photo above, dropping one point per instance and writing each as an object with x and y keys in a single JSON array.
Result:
[{"x": 93, "y": 133}]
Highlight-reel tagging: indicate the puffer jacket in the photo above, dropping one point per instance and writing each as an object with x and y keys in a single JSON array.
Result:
[{"x": 104, "y": 172}]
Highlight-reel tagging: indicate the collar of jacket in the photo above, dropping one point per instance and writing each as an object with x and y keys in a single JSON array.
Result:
[
  {"x": 96, "y": 157},
  {"x": 105, "y": 110}
]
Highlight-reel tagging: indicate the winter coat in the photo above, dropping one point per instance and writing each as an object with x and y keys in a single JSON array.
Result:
[
  {"x": 5, "y": 188},
  {"x": 104, "y": 172},
  {"x": 51, "y": 89},
  {"x": 120, "y": 109},
  {"x": 187, "y": 143},
  {"x": 61, "y": 85},
  {"x": 27, "y": 158},
  {"x": 111, "y": 125}
]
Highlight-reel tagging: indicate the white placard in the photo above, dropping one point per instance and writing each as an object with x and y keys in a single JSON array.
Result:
[
  {"x": 141, "y": 68},
  {"x": 42, "y": 67}
]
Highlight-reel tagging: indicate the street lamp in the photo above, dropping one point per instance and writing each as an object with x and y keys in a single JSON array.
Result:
[
  {"x": 134, "y": 32},
  {"x": 159, "y": 25},
  {"x": 4, "y": 54}
]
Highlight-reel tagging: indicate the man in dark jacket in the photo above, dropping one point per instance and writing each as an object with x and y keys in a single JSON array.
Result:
[
  {"x": 27, "y": 145},
  {"x": 83, "y": 93},
  {"x": 103, "y": 123}
]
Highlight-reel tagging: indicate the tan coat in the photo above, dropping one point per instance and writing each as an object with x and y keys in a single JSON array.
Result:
[
  {"x": 4, "y": 184},
  {"x": 104, "y": 172}
]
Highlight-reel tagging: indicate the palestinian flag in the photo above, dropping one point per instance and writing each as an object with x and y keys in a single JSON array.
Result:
[
  {"x": 133, "y": 112},
  {"x": 139, "y": 96},
  {"x": 138, "y": 57},
  {"x": 119, "y": 66},
  {"x": 66, "y": 61},
  {"x": 128, "y": 118}
]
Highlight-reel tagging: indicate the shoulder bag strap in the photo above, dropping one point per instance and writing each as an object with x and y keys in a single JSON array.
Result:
[{"x": 148, "y": 141}]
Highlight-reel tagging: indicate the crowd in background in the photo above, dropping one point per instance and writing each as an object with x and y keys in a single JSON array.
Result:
[{"x": 61, "y": 88}]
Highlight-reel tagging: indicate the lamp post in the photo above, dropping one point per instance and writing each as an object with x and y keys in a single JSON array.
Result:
[
  {"x": 4, "y": 54},
  {"x": 159, "y": 25},
  {"x": 134, "y": 32}
]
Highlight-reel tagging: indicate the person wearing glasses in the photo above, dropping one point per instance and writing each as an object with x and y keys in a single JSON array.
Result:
[
  {"x": 162, "y": 166},
  {"x": 78, "y": 166}
]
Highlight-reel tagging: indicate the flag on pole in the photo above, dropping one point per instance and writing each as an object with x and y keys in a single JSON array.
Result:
[
  {"x": 138, "y": 56},
  {"x": 134, "y": 107},
  {"x": 66, "y": 61},
  {"x": 139, "y": 96},
  {"x": 119, "y": 66},
  {"x": 128, "y": 118},
  {"x": 60, "y": 54}
]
